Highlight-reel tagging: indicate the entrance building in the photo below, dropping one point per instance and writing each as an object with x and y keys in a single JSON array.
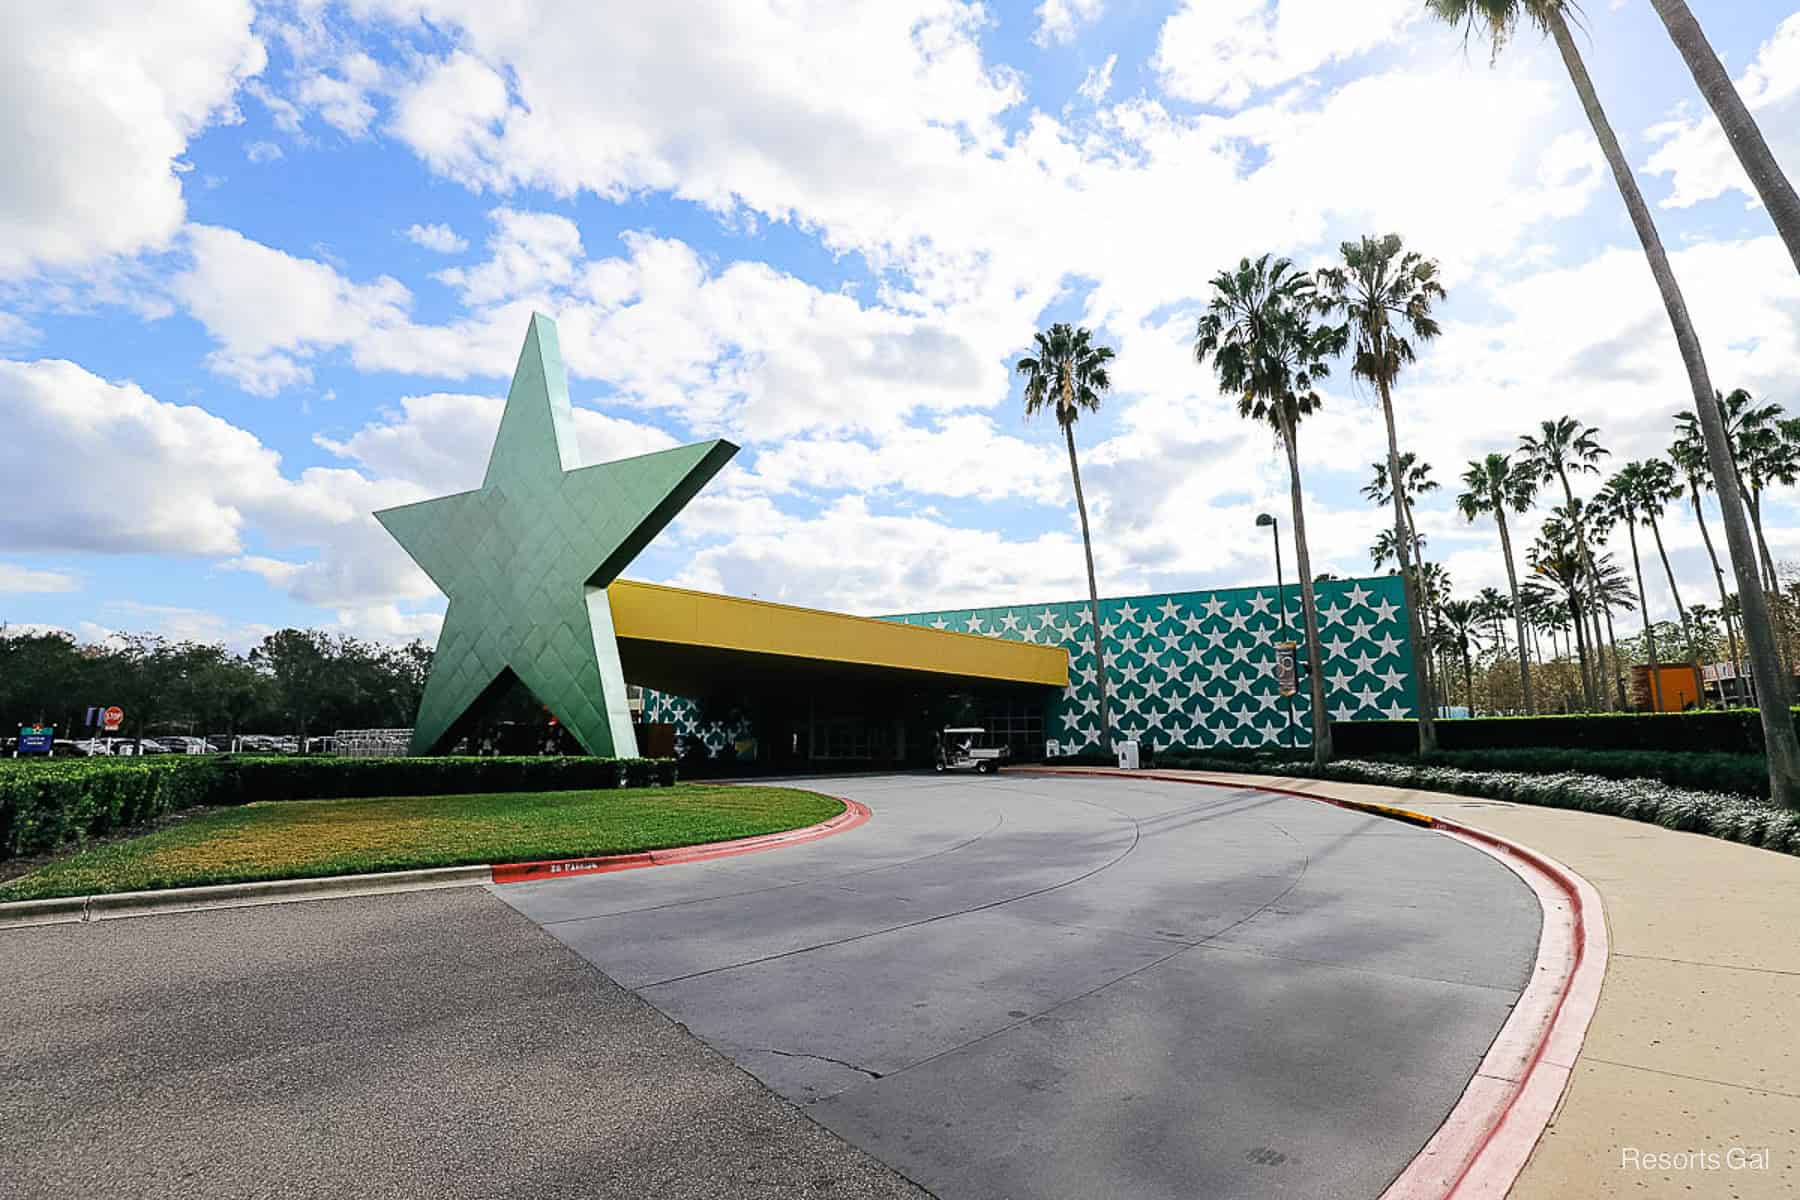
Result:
[{"x": 1190, "y": 669}]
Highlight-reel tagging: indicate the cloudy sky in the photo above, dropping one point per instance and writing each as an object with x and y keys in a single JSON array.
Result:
[{"x": 265, "y": 269}]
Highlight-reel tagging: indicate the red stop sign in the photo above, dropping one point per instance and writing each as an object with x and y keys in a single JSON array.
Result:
[{"x": 113, "y": 717}]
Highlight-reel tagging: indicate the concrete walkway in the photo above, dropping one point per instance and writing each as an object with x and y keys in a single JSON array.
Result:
[{"x": 1695, "y": 1048}]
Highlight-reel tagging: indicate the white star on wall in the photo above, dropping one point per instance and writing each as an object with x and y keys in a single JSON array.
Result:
[
  {"x": 1336, "y": 648},
  {"x": 1365, "y": 664},
  {"x": 1392, "y": 679},
  {"x": 1259, "y": 603},
  {"x": 1389, "y": 644},
  {"x": 1359, "y": 630},
  {"x": 1128, "y": 614},
  {"x": 1386, "y": 610},
  {"x": 1358, "y": 595}
]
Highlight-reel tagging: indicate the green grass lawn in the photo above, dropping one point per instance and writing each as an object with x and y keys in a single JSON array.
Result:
[{"x": 295, "y": 838}]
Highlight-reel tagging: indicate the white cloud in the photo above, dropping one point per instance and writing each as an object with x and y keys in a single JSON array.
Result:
[
  {"x": 93, "y": 465},
  {"x": 100, "y": 103},
  {"x": 262, "y": 152},
  {"x": 531, "y": 253},
  {"x": 1060, "y": 20},
  {"x": 440, "y": 441},
  {"x": 1099, "y": 80},
  {"x": 438, "y": 237},
  {"x": 271, "y": 311},
  {"x": 1694, "y": 152},
  {"x": 15, "y": 579},
  {"x": 1224, "y": 51},
  {"x": 342, "y": 100}
]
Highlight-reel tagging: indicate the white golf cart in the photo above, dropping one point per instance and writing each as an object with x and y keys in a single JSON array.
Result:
[{"x": 970, "y": 748}]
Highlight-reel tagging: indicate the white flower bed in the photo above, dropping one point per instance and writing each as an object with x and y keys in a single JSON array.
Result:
[{"x": 1748, "y": 819}]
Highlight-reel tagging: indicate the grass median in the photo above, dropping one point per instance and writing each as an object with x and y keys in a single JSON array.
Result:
[{"x": 293, "y": 839}]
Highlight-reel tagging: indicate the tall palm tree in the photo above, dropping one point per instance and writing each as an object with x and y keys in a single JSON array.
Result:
[
  {"x": 1741, "y": 130},
  {"x": 1416, "y": 481},
  {"x": 1068, "y": 375},
  {"x": 1688, "y": 452},
  {"x": 1560, "y": 447},
  {"x": 1499, "y": 19},
  {"x": 1461, "y": 624},
  {"x": 1556, "y": 556},
  {"x": 1627, "y": 496},
  {"x": 1764, "y": 457},
  {"x": 1660, "y": 487},
  {"x": 1269, "y": 352},
  {"x": 1495, "y": 609},
  {"x": 1495, "y": 484},
  {"x": 1385, "y": 293},
  {"x": 1608, "y": 590}
]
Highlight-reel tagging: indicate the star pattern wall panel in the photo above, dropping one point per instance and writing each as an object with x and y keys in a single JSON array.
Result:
[
  {"x": 1197, "y": 669},
  {"x": 1186, "y": 669}
]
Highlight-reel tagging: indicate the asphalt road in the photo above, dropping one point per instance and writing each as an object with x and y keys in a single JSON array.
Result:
[
  {"x": 1013, "y": 987},
  {"x": 1042, "y": 987},
  {"x": 432, "y": 1044}
]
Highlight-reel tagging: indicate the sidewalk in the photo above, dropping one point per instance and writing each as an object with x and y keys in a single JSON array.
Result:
[{"x": 1695, "y": 1047}]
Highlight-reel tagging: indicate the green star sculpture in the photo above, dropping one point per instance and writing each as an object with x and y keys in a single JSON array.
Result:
[{"x": 525, "y": 560}]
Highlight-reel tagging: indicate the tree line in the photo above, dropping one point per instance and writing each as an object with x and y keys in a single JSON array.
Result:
[
  {"x": 1271, "y": 332},
  {"x": 297, "y": 681}
]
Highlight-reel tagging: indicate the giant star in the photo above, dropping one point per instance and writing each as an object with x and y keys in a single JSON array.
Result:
[{"x": 526, "y": 557}]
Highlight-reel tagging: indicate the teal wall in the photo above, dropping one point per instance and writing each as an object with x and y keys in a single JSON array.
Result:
[
  {"x": 1186, "y": 669},
  {"x": 1197, "y": 669}
]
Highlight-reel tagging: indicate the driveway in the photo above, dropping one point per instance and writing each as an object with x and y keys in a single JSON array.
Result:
[
  {"x": 1064, "y": 987},
  {"x": 1012, "y": 987}
]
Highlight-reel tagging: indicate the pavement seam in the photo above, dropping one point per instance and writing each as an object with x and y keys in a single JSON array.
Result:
[
  {"x": 1742, "y": 1087},
  {"x": 1305, "y": 863},
  {"x": 1136, "y": 836},
  {"x": 1692, "y": 962},
  {"x": 777, "y": 887}
]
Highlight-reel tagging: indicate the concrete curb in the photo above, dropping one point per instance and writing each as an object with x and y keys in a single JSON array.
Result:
[
  {"x": 854, "y": 814},
  {"x": 1483, "y": 1145},
  {"x": 71, "y": 910}
]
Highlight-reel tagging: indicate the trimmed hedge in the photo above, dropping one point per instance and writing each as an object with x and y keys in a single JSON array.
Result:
[
  {"x": 1732, "y": 731},
  {"x": 44, "y": 805},
  {"x": 1733, "y": 817}
]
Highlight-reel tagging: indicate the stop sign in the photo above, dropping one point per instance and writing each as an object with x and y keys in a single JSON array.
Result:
[{"x": 113, "y": 717}]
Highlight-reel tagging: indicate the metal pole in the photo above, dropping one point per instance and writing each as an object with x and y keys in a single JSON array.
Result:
[{"x": 1281, "y": 599}]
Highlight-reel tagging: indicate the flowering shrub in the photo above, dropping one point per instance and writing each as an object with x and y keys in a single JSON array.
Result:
[{"x": 1733, "y": 816}]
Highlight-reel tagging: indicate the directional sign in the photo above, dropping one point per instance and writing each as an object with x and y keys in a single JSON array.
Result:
[
  {"x": 36, "y": 739},
  {"x": 113, "y": 717},
  {"x": 1287, "y": 673}
]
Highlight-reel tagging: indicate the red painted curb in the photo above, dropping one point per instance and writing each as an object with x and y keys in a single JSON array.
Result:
[
  {"x": 854, "y": 814},
  {"x": 1484, "y": 1143}
]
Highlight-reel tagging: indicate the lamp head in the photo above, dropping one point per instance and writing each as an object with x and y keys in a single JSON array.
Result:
[{"x": 1264, "y": 519}]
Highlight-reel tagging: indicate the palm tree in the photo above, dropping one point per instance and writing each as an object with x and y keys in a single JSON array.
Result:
[
  {"x": 1416, "y": 481},
  {"x": 1494, "y": 485},
  {"x": 1559, "y": 447},
  {"x": 1556, "y": 556},
  {"x": 1385, "y": 293},
  {"x": 1608, "y": 589},
  {"x": 1741, "y": 130},
  {"x": 1628, "y": 496},
  {"x": 1660, "y": 487},
  {"x": 1499, "y": 19},
  {"x": 1068, "y": 375},
  {"x": 1764, "y": 457},
  {"x": 1689, "y": 455},
  {"x": 1461, "y": 621},
  {"x": 1268, "y": 352}
]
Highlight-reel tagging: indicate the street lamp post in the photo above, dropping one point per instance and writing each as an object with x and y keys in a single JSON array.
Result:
[{"x": 1274, "y": 526}]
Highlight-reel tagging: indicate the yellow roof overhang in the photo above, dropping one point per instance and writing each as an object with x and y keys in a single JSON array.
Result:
[{"x": 673, "y": 639}]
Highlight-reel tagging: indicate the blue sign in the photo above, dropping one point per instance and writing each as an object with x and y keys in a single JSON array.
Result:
[{"x": 36, "y": 739}]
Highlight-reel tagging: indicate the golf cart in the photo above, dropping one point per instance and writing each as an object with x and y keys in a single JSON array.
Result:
[{"x": 969, "y": 748}]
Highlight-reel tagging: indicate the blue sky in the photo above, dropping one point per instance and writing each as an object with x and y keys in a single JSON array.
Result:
[{"x": 270, "y": 267}]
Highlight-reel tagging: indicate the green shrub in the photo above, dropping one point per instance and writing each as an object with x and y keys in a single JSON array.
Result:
[
  {"x": 1733, "y": 731},
  {"x": 1736, "y": 817},
  {"x": 44, "y": 805}
]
